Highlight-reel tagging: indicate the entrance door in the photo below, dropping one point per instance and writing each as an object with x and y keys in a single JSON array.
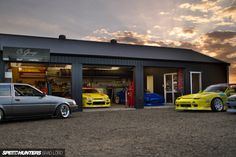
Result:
[
  {"x": 170, "y": 86},
  {"x": 195, "y": 82}
]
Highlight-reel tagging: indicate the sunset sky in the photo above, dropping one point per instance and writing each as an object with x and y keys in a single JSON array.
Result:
[{"x": 207, "y": 26}]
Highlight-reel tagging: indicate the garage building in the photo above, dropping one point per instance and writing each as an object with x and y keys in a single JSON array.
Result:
[{"x": 63, "y": 67}]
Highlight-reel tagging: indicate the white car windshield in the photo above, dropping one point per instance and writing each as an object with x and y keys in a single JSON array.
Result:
[{"x": 216, "y": 88}]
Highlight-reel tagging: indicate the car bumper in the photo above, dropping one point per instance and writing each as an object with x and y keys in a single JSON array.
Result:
[
  {"x": 73, "y": 108},
  {"x": 231, "y": 107},
  {"x": 191, "y": 104},
  {"x": 94, "y": 104}
]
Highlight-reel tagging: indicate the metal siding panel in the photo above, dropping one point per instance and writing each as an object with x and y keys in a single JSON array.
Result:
[
  {"x": 77, "y": 84},
  {"x": 2, "y": 71},
  {"x": 227, "y": 73},
  {"x": 139, "y": 86},
  {"x": 92, "y": 60}
]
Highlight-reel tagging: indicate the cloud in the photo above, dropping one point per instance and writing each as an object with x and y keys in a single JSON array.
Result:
[
  {"x": 221, "y": 35},
  {"x": 203, "y": 6},
  {"x": 164, "y": 13},
  {"x": 184, "y": 33},
  {"x": 221, "y": 45},
  {"x": 130, "y": 37},
  {"x": 229, "y": 12},
  {"x": 232, "y": 55},
  {"x": 223, "y": 23},
  {"x": 193, "y": 19},
  {"x": 209, "y": 12},
  {"x": 157, "y": 27}
]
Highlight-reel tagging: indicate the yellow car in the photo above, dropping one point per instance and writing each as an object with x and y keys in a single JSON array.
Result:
[
  {"x": 213, "y": 98},
  {"x": 92, "y": 98}
]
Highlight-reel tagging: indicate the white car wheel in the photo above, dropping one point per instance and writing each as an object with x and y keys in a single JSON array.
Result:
[{"x": 63, "y": 111}]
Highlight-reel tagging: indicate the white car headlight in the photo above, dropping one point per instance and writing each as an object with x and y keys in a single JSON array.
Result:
[{"x": 72, "y": 102}]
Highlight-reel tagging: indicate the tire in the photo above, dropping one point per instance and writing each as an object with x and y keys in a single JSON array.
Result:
[
  {"x": 217, "y": 105},
  {"x": 63, "y": 111},
  {"x": 1, "y": 115}
]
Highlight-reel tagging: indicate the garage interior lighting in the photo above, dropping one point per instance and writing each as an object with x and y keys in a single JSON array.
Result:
[
  {"x": 100, "y": 68},
  {"x": 108, "y": 68},
  {"x": 115, "y": 68}
]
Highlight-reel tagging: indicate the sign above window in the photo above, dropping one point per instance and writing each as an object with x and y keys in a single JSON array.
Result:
[{"x": 26, "y": 54}]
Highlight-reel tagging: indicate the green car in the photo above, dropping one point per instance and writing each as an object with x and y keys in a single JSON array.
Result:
[{"x": 213, "y": 98}]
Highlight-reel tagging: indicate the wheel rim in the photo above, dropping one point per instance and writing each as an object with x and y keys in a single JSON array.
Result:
[
  {"x": 65, "y": 111},
  {"x": 1, "y": 115},
  {"x": 218, "y": 104}
]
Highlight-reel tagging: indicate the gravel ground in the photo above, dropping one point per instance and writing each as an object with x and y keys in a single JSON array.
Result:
[{"x": 147, "y": 132}]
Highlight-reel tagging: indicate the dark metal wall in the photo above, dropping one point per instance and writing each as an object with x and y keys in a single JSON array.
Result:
[
  {"x": 77, "y": 83},
  {"x": 158, "y": 76},
  {"x": 139, "y": 84},
  {"x": 2, "y": 71}
]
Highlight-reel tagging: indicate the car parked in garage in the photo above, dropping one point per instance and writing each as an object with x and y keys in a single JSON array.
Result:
[
  {"x": 231, "y": 103},
  {"x": 92, "y": 98},
  {"x": 212, "y": 98},
  {"x": 153, "y": 99},
  {"x": 23, "y": 100}
]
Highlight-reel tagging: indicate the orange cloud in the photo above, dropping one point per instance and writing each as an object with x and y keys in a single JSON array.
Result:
[
  {"x": 184, "y": 33},
  {"x": 203, "y": 6}
]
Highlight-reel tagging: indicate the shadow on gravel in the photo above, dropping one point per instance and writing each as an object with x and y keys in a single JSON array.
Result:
[
  {"x": 31, "y": 119},
  {"x": 197, "y": 111}
]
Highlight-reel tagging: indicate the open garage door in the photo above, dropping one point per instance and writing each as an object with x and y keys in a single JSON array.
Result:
[
  {"x": 52, "y": 79},
  {"x": 103, "y": 82}
]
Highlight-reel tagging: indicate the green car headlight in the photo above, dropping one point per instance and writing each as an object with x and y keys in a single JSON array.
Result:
[{"x": 89, "y": 99}]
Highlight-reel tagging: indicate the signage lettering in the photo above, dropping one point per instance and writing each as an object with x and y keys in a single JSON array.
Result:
[{"x": 26, "y": 54}]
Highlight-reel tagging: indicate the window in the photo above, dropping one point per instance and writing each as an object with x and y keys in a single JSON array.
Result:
[
  {"x": 5, "y": 90},
  {"x": 195, "y": 82},
  {"x": 23, "y": 90},
  {"x": 90, "y": 90},
  {"x": 216, "y": 88}
]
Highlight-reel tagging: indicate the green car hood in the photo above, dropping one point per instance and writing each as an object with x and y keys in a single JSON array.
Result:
[{"x": 201, "y": 95}]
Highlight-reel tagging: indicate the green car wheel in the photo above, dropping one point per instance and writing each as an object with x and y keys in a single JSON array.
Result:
[{"x": 217, "y": 105}]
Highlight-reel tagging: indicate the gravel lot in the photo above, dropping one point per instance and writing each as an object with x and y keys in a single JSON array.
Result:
[{"x": 147, "y": 132}]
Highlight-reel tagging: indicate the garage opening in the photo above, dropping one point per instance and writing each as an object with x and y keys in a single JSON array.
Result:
[
  {"x": 108, "y": 86},
  {"x": 163, "y": 85},
  {"x": 52, "y": 79}
]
